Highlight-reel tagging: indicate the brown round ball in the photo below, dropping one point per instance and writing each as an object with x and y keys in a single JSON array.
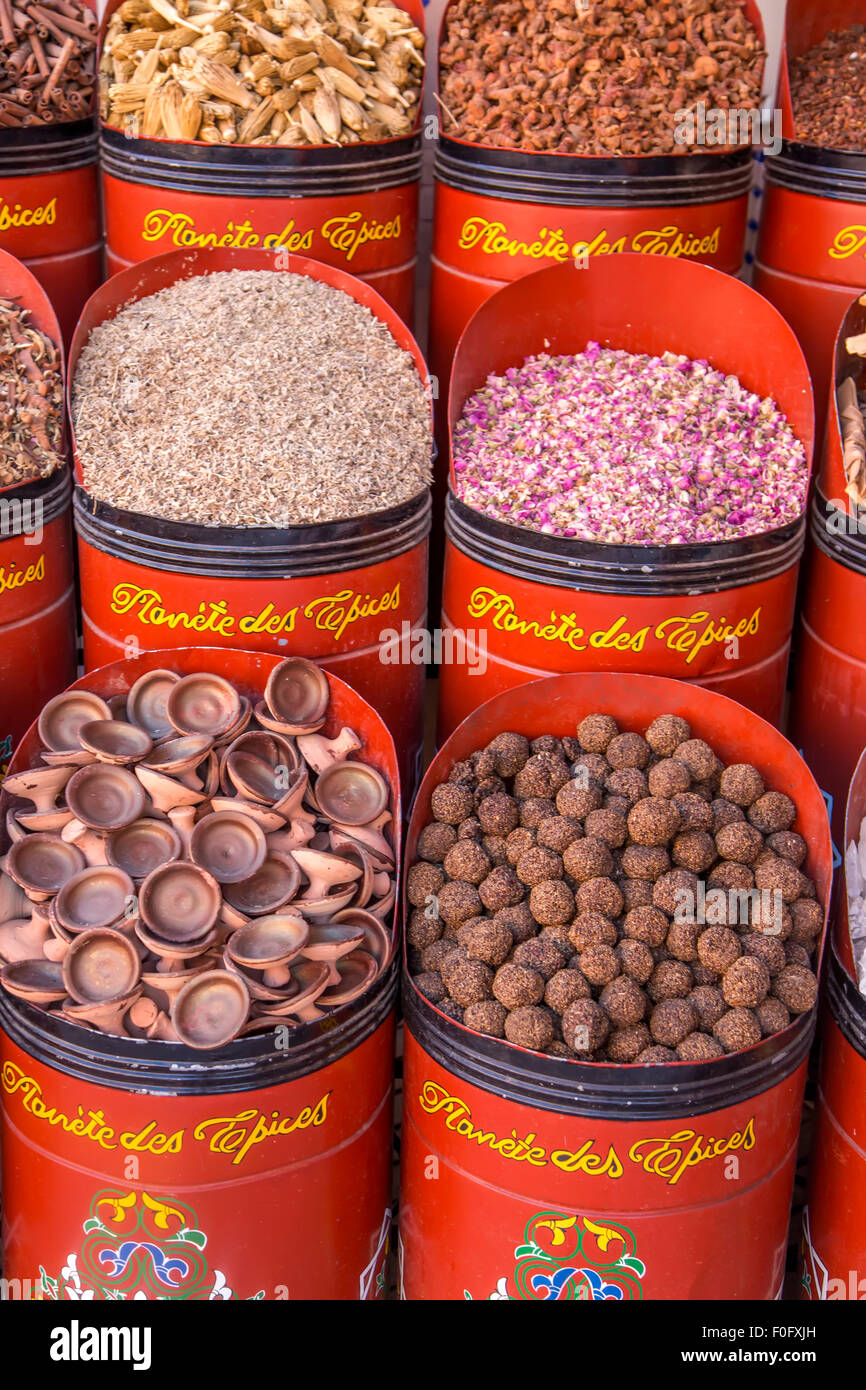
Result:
[
  {"x": 468, "y": 981},
  {"x": 671, "y": 979},
  {"x": 746, "y": 983},
  {"x": 519, "y": 921},
  {"x": 795, "y": 954},
  {"x": 495, "y": 848},
  {"x": 788, "y": 845},
  {"x": 693, "y": 811},
  {"x": 433, "y": 955},
  {"x": 695, "y": 850},
  {"x": 656, "y": 1056},
  {"x": 807, "y": 920},
  {"x": 547, "y": 743},
  {"x": 737, "y": 1029},
  {"x": 718, "y": 948},
  {"x": 671, "y": 1021},
  {"x": 430, "y": 984},
  {"x": 518, "y": 842},
  {"x": 600, "y": 895},
  {"x": 623, "y": 1001},
  {"x": 646, "y": 924},
  {"x": 578, "y": 797},
  {"x": 607, "y": 826},
  {"x": 741, "y": 783},
  {"x": 451, "y": 1009},
  {"x": 725, "y": 812},
  {"x": 458, "y": 902},
  {"x": 682, "y": 940},
  {"x": 666, "y": 733},
  {"x": 541, "y": 953},
  {"x": 740, "y": 842},
  {"x": 538, "y": 865},
  {"x": 593, "y": 764},
  {"x": 469, "y": 829},
  {"x": 769, "y": 916},
  {"x": 530, "y": 1027},
  {"x": 647, "y": 862},
  {"x": 435, "y": 841},
  {"x": 698, "y": 757},
  {"x": 463, "y": 772},
  {"x": 628, "y": 750},
  {"x": 486, "y": 789},
  {"x": 587, "y": 859},
  {"x": 699, "y": 1047},
  {"x": 585, "y": 1025},
  {"x": 591, "y": 929},
  {"x": 709, "y": 1004},
  {"x": 422, "y": 930},
  {"x": 704, "y": 975},
  {"x": 797, "y": 988},
  {"x": 535, "y": 809},
  {"x": 772, "y": 812},
  {"x": 676, "y": 893},
  {"x": 558, "y": 832},
  {"x": 768, "y": 949},
  {"x": 423, "y": 882},
  {"x": 618, "y": 804},
  {"x": 596, "y": 731},
  {"x": 551, "y": 902},
  {"x": 452, "y": 802},
  {"x": 498, "y": 814},
  {"x": 668, "y": 778},
  {"x": 625, "y": 1045},
  {"x": 516, "y": 985},
  {"x": 486, "y": 940},
  {"x": 486, "y": 1016},
  {"x": 635, "y": 959},
  {"x": 559, "y": 1049},
  {"x": 653, "y": 821},
  {"x": 636, "y": 892},
  {"x": 564, "y": 988},
  {"x": 628, "y": 782},
  {"x": 467, "y": 862},
  {"x": 728, "y": 874},
  {"x": 772, "y": 1016},
  {"x": 599, "y": 964},
  {"x": 501, "y": 888},
  {"x": 508, "y": 752},
  {"x": 775, "y": 875}
]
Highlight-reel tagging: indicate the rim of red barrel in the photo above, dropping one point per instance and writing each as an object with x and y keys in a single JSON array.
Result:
[
  {"x": 634, "y": 701},
  {"x": 644, "y": 304},
  {"x": 806, "y": 24},
  {"x": 831, "y": 479},
  {"x": 249, "y": 672},
  {"x": 17, "y": 282},
  {"x": 753, "y": 14},
  {"x": 148, "y": 277},
  {"x": 415, "y": 11}
]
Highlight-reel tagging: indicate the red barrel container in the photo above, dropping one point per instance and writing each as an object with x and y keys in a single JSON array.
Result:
[
  {"x": 326, "y": 590},
  {"x": 352, "y": 206},
  {"x": 501, "y": 214},
  {"x": 828, "y": 710},
  {"x": 716, "y": 614},
  {"x": 138, "y": 1169},
  {"x": 811, "y": 254},
  {"x": 530, "y": 1177},
  {"x": 834, "y": 1218},
  {"x": 38, "y": 623}
]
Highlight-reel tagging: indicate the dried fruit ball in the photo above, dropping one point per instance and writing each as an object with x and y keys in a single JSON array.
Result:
[
  {"x": 501, "y": 888},
  {"x": 467, "y": 862},
  {"x": 519, "y": 921},
  {"x": 636, "y": 892},
  {"x": 741, "y": 783},
  {"x": 635, "y": 959},
  {"x": 740, "y": 842},
  {"x": 682, "y": 940},
  {"x": 599, "y": 895},
  {"x": 788, "y": 845},
  {"x": 591, "y": 929},
  {"x": 435, "y": 841},
  {"x": 666, "y": 733},
  {"x": 797, "y": 988},
  {"x": 422, "y": 930},
  {"x": 725, "y": 813},
  {"x": 718, "y": 948},
  {"x": 433, "y": 955},
  {"x": 709, "y": 1004},
  {"x": 585, "y": 1025},
  {"x": 469, "y": 829},
  {"x": 626, "y": 1044},
  {"x": 671, "y": 1021},
  {"x": 509, "y": 752},
  {"x": 623, "y": 1001},
  {"x": 486, "y": 1016},
  {"x": 628, "y": 750},
  {"x": 487, "y": 941},
  {"x": 559, "y": 1049},
  {"x": 530, "y": 1027},
  {"x": 488, "y": 787},
  {"x": 537, "y": 778},
  {"x": 795, "y": 954},
  {"x": 669, "y": 777},
  {"x": 534, "y": 810},
  {"x": 693, "y": 811},
  {"x": 699, "y": 1047},
  {"x": 596, "y": 731},
  {"x": 704, "y": 975},
  {"x": 599, "y": 964},
  {"x": 452, "y": 802},
  {"x": 727, "y": 874},
  {"x": 468, "y": 981},
  {"x": 462, "y": 772},
  {"x": 746, "y": 983},
  {"x": 772, "y": 1016},
  {"x": 558, "y": 832},
  {"x": 768, "y": 949},
  {"x": 779, "y": 875},
  {"x": 547, "y": 743},
  {"x": 429, "y": 982},
  {"x": 541, "y": 954},
  {"x": 676, "y": 893},
  {"x": 593, "y": 764},
  {"x": 655, "y": 1056},
  {"x": 628, "y": 782},
  {"x": 807, "y": 919},
  {"x": 518, "y": 842},
  {"x": 646, "y": 924},
  {"x": 564, "y": 988},
  {"x": 495, "y": 849},
  {"x": 737, "y": 1029},
  {"x": 458, "y": 902},
  {"x": 698, "y": 757},
  {"x": 451, "y": 1009},
  {"x": 695, "y": 850},
  {"x": 498, "y": 814},
  {"x": 537, "y": 865},
  {"x": 772, "y": 812},
  {"x": 647, "y": 862},
  {"x": 551, "y": 902},
  {"x": 671, "y": 979},
  {"x": 653, "y": 821},
  {"x": 515, "y": 985},
  {"x": 620, "y": 804},
  {"x": 607, "y": 826},
  {"x": 423, "y": 882},
  {"x": 577, "y": 798},
  {"x": 588, "y": 858}
]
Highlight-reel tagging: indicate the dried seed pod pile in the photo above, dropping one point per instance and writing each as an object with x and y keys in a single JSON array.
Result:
[
  {"x": 827, "y": 86},
  {"x": 299, "y": 72},
  {"x": 250, "y": 398},
  {"x": 192, "y": 868},
  {"x": 593, "y": 79},
  {"x": 31, "y": 399},
  {"x": 613, "y": 897},
  {"x": 625, "y": 448},
  {"x": 47, "y": 62}
]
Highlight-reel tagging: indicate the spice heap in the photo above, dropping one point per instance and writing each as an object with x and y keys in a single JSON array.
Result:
[
  {"x": 250, "y": 398},
  {"x": 595, "y": 78},
  {"x": 628, "y": 449},
  {"x": 855, "y": 881},
  {"x": 48, "y": 62},
  {"x": 303, "y": 72},
  {"x": 193, "y": 868},
  {"x": 827, "y": 91},
  {"x": 613, "y": 897},
  {"x": 31, "y": 399}
]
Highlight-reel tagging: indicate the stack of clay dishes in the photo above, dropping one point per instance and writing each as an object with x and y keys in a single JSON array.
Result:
[{"x": 189, "y": 867}]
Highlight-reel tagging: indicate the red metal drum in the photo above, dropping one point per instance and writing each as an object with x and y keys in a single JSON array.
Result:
[
  {"x": 327, "y": 590},
  {"x": 526, "y": 1176},
  {"x": 719, "y": 615},
  {"x": 834, "y": 1219},
  {"x": 38, "y": 623},
  {"x": 351, "y": 206},
  {"x": 142, "y": 1169}
]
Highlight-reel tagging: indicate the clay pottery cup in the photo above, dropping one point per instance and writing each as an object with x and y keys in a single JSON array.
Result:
[
  {"x": 351, "y": 793},
  {"x": 13, "y": 899},
  {"x": 210, "y": 1010},
  {"x": 44, "y": 822},
  {"x": 72, "y": 757},
  {"x": 203, "y": 704},
  {"x": 263, "y": 816},
  {"x": 230, "y": 846},
  {"x": 310, "y": 979},
  {"x": 117, "y": 705},
  {"x": 357, "y": 972},
  {"x": 209, "y": 772},
  {"x": 90, "y": 842},
  {"x": 42, "y": 864},
  {"x": 180, "y": 903},
  {"x": 146, "y": 1020},
  {"x": 172, "y": 956},
  {"x": 297, "y": 694},
  {"x": 339, "y": 843},
  {"x": 319, "y": 753},
  {"x": 106, "y": 1018},
  {"x": 273, "y": 884},
  {"x": 24, "y": 938},
  {"x": 146, "y": 702},
  {"x": 112, "y": 741},
  {"x": 62, "y": 719},
  {"x": 41, "y": 785},
  {"x": 15, "y": 831},
  {"x": 143, "y": 846},
  {"x": 163, "y": 987},
  {"x": 371, "y": 839},
  {"x": 239, "y": 725},
  {"x": 252, "y": 778},
  {"x": 37, "y": 981},
  {"x": 294, "y": 836},
  {"x": 273, "y": 749},
  {"x": 182, "y": 819},
  {"x": 329, "y": 941},
  {"x": 254, "y": 983},
  {"x": 100, "y": 897},
  {"x": 325, "y": 873},
  {"x": 167, "y": 792},
  {"x": 382, "y": 907},
  {"x": 230, "y": 917},
  {"x": 378, "y": 941},
  {"x": 268, "y": 944},
  {"x": 101, "y": 966},
  {"x": 104, "y": 797},
  {"x": 179, "y": 757}
]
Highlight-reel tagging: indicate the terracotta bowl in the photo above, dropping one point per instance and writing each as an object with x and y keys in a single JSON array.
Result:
[
  {"x": 211, "y": 1010},
  {"x": 112, "y": 741},
  {"x": 101, "y": 966},
  {"x": 62, "y": 718},
  {"x": 180, "y": 902},
  {"x": 146, "y": 702},
  {"x": 143, "y": 846},
  {"x": 177, "y": 756},
  {"x": 352, "y": 793},
  {"x": 41, "y": 785},
  {"x": 272, "y": 885},
  {"x": 37, "y": 981},
  {"x": 43, "y": 863},
  {"x": 268, "y": 941},
  {"x": 203, "y": 704},
  {"x": 100, "y": 897},
  {"x": 229, "y": 845},
  {"x": 297, "y": 692},
  {"x": 104, "y": 797},
  {"x": 378, "y": 941},
  {"x": 356, "y": 972}
]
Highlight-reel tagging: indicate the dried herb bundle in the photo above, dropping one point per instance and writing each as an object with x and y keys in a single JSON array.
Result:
[
  {"x": 31, "y": 399},
  {"x": 304, "y": 72},
  {"x": 47, "y": 62}
]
